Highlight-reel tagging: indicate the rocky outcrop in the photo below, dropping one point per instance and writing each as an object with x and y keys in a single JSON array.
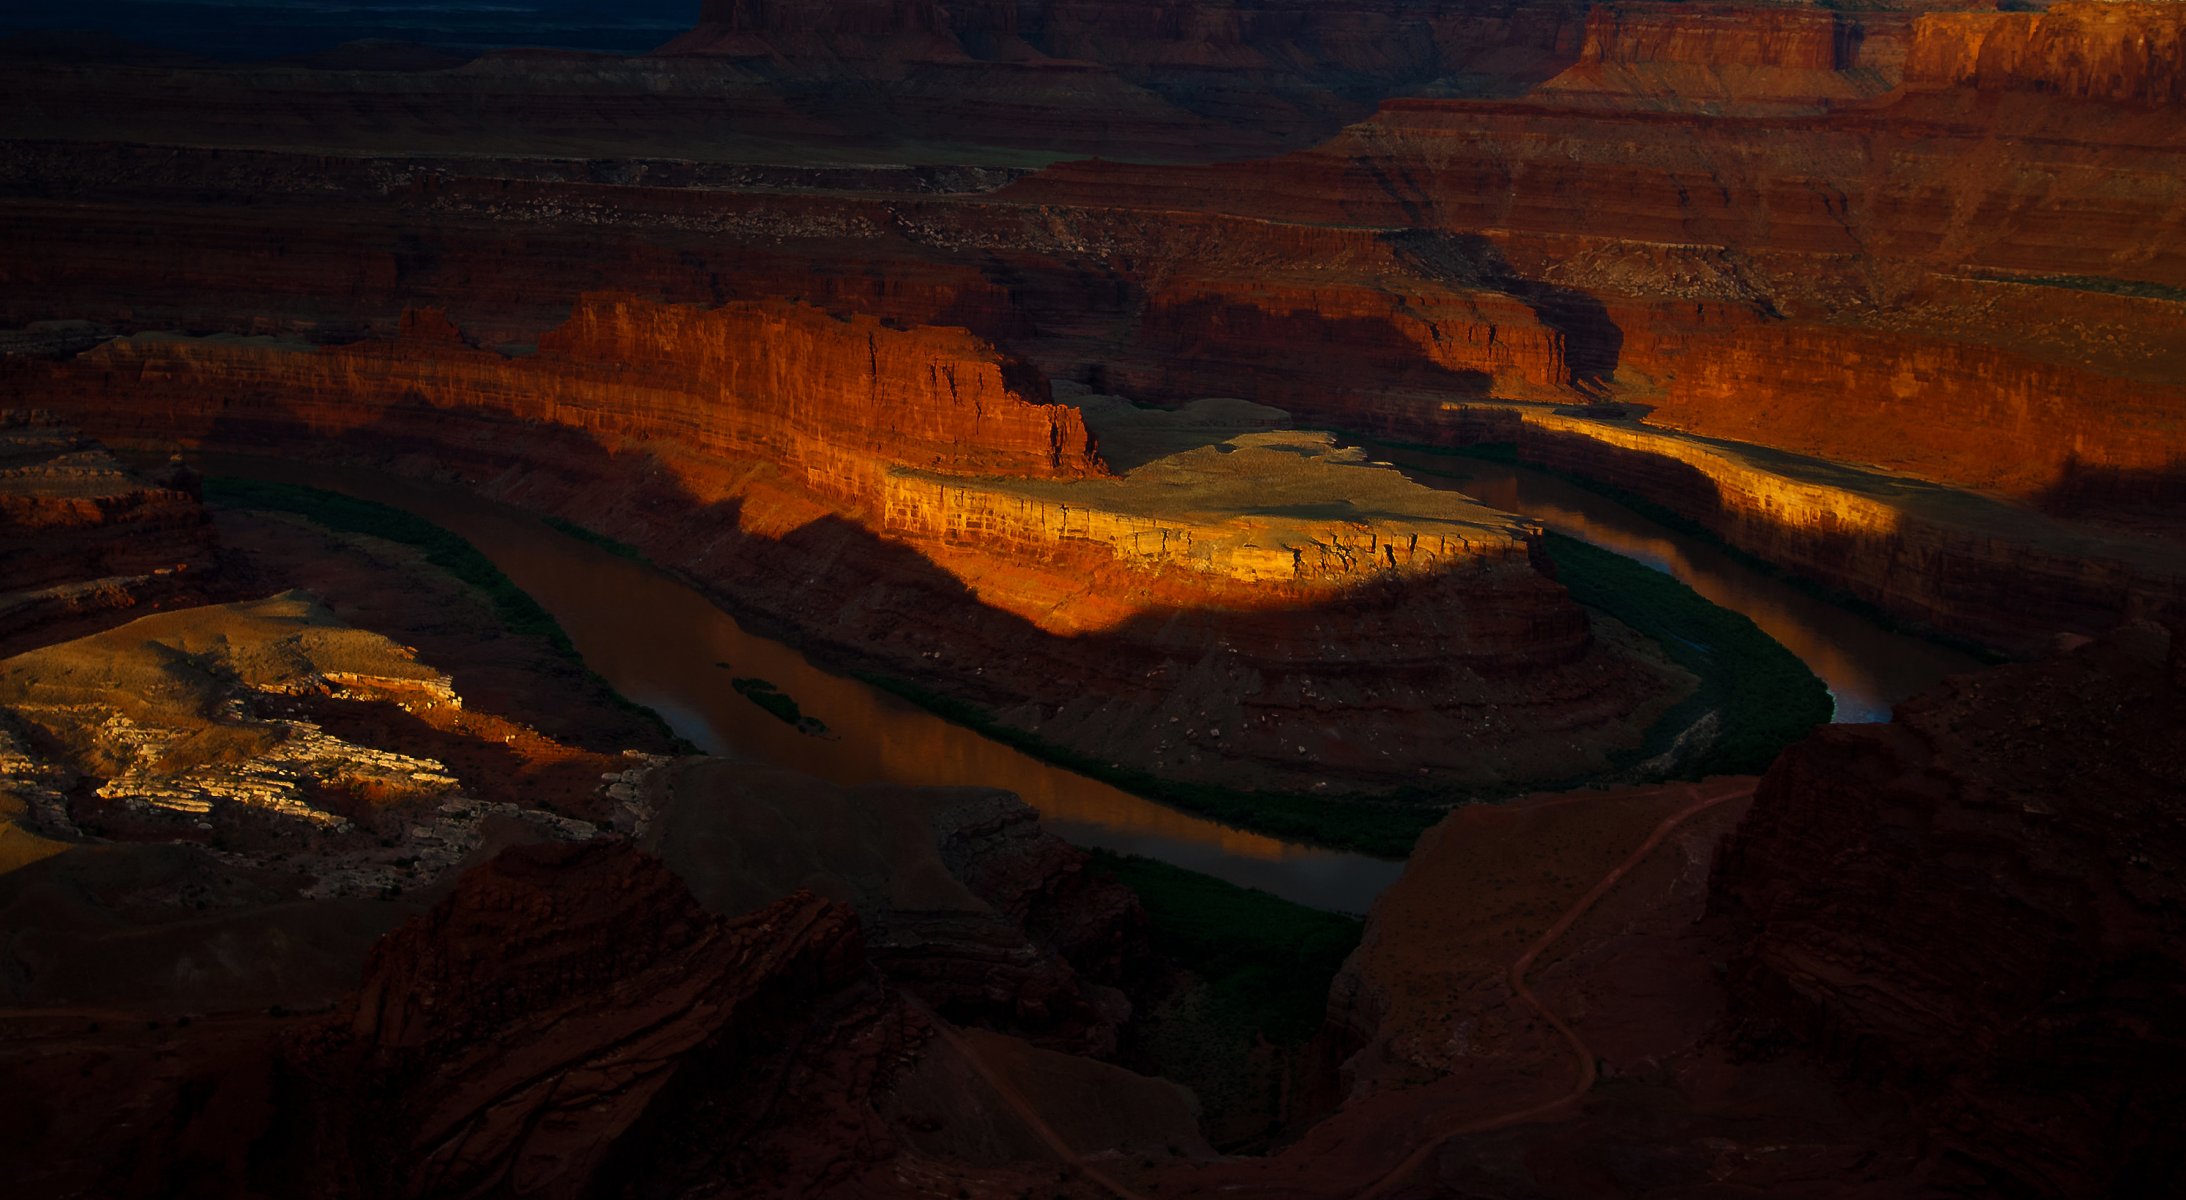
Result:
[
  {"x": 564, "y": 1017},
  {"x": 1277, "y": 558},
  {"x": 81, "y": 534},
  {"x": 198, "y": 726},
  {"x": 1982, "y": 570},
  {"x": 2085, "y": 49},
  {"x": 567, "y": 1021},
  {"x": 549, "y": 1022},
  {"x": 1716, "y": 58},
  {"x": 996, "y": 848},
  {"x": 1979, "y": 903},
  {"x": 967, "y": 903},
  {"x": 782, "y": 383}
]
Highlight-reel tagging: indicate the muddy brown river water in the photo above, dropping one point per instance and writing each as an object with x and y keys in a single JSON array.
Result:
[
  {"x": 1868, "y": 668},
  {"x": 665, "y": 645}
]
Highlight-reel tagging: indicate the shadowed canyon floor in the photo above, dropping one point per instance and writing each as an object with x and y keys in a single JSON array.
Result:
[{"x": 739, "y": 620}]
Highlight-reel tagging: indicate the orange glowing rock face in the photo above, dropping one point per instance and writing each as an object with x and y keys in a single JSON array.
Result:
[
  {"x": 2135, "y": 53},
  {"x": 912, "y": 498}
]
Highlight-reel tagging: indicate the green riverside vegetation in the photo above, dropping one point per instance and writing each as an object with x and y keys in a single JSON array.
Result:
[
  {"x": 1385, "y": 826},
  {"x": 1765, "y": 698},
  {"x": 620, "y": 549},
  {"x": 1506, "y": 454},
  {"x": 512, "y": 606},
  {"x": 2093, "y": 283},
  {"x": 1265, "y": 960}
]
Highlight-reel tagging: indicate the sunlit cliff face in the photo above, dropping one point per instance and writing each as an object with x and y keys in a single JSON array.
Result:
[
  {"x": 925, "y": 437},
  {"x": 914, "y": 494}
]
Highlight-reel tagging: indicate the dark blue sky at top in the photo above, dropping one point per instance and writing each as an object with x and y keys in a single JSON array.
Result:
[{"x": 270, "y": 28}]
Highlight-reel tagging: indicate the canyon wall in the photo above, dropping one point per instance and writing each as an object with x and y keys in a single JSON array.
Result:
[
  {"x": 81, "y": 534},
  {"x": 1277, "y": 44},
  {"x": 1720, "y": 58},
  {"x": 1231, "y": 78},
  {"x": 1953, "y": 562},
  {"x": 2085, "y": 49},
  {"x": 784, "y": 383},
  {"x": 1970, "y": 285},
  {"x": 788, "y": 474},
  {"x": 1975, "y": 286},
  {"x": 1973, "y": 903}
]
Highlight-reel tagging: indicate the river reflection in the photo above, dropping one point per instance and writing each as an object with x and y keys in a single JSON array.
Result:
[
  {"x": 1866, "y": 667},
  {"x": 664, "y": 645}
]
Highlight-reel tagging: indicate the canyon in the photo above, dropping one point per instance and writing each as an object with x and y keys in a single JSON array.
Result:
[
  {"x": 1840, "y": 280},
  {"x": 1251, "y": 587},
  {"x": 80, "y": 534},
  {"x": 1102, "y": 377}
]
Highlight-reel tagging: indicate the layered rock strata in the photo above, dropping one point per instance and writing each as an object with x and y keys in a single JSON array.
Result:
[
  {"x": 2086, "y": 50},
  {"x": 1716, "y": 58},
  {"x": 567, "y": 1020},
  {"x": 569, "y": 1014},
  {"x": 81, "y": 534},
  {"x": 197, "y": 726},
  {"x": 1979, "y": 903},
  {"x": 966, "y": 902},
  {"x": 1980, "y": 569},
  {"x": 1973, "y": 280},
  {"x": 1250, "y": 588},
  {"x": 1247, "y": 73},
  {"x": 782, "y": 383}
]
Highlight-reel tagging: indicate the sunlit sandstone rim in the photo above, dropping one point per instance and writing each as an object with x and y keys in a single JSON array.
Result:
[
  {"x": 1275, "y": 507},
  {"x": 901, "y": 502},
  {"x": 928, "y": 435}
]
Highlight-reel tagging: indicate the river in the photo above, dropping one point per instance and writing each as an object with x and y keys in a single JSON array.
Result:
[
  {"x": 1868, "y": 668},
  {"x": 665, "y": 645}
]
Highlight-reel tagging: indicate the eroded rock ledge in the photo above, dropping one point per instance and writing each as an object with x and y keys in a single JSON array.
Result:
[
  {"x": 1979, "y": 903},
  {"x": 915, "y": 501},
  {"x": 80, "y": 534}
]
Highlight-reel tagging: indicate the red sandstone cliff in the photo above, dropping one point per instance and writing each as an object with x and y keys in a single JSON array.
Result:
[
  {"x": 567, "y": 1022},
  {"x": 552, "y": 1022},
  {"x": 1977, "y": 289},
  {"x": 1979, "y": 902},
  {"x": 2133, "y": 53},
  {"x": 80, "y": 534},
  {"x": 1716, "y": 58},
  {"x": 1472, "y": 665},
  {"x": 781, "y": 382}
]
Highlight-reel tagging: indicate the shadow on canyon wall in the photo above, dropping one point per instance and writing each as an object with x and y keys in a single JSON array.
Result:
[
  {"x": 2101, "y": 490},
  {"x": 881, "y": 607},
  {"x": 1593, "y": 341},
  {"x": 1293, "y": 359}
]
